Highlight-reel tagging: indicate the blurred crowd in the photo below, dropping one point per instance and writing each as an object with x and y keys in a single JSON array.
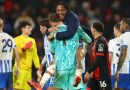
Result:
[{"x": 108, "y": 11}]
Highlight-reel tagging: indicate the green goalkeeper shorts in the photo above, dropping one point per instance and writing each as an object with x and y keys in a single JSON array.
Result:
[{"x": 65, "y": 79}]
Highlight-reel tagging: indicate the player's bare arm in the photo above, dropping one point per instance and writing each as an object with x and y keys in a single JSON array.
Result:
[
  {"x": 17, "y": 61},
  {"x": 121, "y": 60}
]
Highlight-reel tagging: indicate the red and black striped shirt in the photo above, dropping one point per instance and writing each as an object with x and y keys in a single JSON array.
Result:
[{"x": 99, "y": 59}]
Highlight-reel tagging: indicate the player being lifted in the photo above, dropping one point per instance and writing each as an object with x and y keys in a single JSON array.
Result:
[{"x": 7, "y": 47}]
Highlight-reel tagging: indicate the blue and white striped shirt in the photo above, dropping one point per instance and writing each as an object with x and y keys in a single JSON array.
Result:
[
  {"x": 6, "y": 52},
  {"x": 48, "y": 55}
]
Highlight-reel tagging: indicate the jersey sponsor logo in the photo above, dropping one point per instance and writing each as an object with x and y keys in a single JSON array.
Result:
[
  {"x": 100, "y": 54},
  {"x": 100, "y": 47},
  {"x": 30, "y": 50}
]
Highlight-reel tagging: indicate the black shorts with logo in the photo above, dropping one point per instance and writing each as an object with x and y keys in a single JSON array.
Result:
[{"x": 94, "y": 84}]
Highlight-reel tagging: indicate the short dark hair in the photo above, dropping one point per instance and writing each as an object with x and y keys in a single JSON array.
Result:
[
  {"x": 98, "y": 26},
  {"x": 23, "y": 24},
  {"x": 44, "y": 22},
  {"x": 62, "y": 3},
  {"x": 54, "y": 17},
  {"x": 127, "y": 20}
]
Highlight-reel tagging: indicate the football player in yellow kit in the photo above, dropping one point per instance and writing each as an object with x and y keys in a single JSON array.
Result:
[{"x": 28, "y": 55}]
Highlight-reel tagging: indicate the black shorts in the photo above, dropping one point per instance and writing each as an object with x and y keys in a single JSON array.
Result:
[{"x": 94, "y": 84}]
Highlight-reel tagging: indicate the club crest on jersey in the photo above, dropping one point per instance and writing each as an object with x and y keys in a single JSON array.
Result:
[{"x": 100, "y": 47}]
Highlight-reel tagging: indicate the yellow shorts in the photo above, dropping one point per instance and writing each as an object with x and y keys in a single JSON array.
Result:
[{"x": 21, "y": 81}]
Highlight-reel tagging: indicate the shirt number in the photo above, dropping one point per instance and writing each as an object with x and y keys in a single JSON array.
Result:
[
  {"x": 103, "y": 84},
  {"x": 7, "y": 45}
]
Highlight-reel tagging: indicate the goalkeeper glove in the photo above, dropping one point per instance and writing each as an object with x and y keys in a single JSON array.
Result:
[{"x": 28, "y": 45}]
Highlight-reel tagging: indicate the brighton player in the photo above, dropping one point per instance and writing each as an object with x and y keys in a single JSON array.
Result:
[
  {"x": 122, "y": 74},
  {"x": 48, "y": 58},
  {"x": 28, "y": 55},
  {"x": 7, "y": 46},
  {"x": 114, "y": 51}
]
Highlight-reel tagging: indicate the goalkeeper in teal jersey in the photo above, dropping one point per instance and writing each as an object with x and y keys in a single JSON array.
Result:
[
  {"x": 65, "y": 51},
  {"x": 65, "y": 55}
]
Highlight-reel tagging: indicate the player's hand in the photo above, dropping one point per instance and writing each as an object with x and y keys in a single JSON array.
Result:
[
  {"x": 50, "y": 37},
  {"x": 28, "y": 45},
  {"x": 86, "y": 76},
  {"x": 43, "y": 29},
  {"x": 40, "y": 68},
  {"x": 39, "y": 74},
  {"x": 16, "y": 73},
  {"x": 52, "y": 29}
]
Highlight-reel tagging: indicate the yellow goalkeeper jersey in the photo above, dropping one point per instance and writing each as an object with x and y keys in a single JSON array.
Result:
[{"x": 30, "y": 55}]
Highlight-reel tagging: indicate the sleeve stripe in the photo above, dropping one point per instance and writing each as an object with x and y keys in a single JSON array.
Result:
[{"x": 124, "y": 46}]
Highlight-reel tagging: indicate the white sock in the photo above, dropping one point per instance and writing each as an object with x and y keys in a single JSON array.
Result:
[
  {"x": 44, "y": 79},
  {"x": 47, "y": 76},
  {"x": 78, "y": 72}
]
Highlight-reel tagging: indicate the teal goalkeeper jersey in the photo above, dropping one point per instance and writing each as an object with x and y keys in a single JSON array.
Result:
[{"x": 65, "y": 51}]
